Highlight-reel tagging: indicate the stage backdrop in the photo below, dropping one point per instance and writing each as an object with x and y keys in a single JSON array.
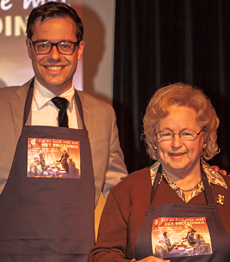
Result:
[{"x": 158, "y": 42}]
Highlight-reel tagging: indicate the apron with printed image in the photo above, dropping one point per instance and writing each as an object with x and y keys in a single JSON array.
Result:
[
  {"x": 47, "y": 214},
  {"x": 194, "y": 232}
]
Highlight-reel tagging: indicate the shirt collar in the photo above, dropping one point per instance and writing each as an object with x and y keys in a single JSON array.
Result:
[
  {"x": 42, "y": 95},
  {"x": 212, "y": 176}
]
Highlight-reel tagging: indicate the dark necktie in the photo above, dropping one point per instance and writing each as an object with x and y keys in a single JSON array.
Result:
[{"x": 61, "y": 103}]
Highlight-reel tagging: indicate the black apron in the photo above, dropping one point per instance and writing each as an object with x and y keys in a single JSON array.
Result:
[
  {"x": 206, "y": 241},
  {"x": 48, "y": 217}
]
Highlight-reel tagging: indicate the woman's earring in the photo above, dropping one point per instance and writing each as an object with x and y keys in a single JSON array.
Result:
[
  {"x": 155, "y": 148},
  {"x": 204, "y": 146}
]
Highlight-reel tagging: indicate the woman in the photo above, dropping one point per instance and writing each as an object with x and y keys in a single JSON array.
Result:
[
  {"x": 64, "y": 158},
  {"x": 178, "y": 192},
  {"x": 73, "y": 171}
]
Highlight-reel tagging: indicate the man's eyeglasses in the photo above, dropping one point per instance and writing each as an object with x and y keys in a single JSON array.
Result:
[
  {"x": 184, "y": 135},
  {"x": 45, "y": 47}
]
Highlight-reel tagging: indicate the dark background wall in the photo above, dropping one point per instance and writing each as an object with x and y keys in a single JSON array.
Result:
[{"x": 158, "y": 42}]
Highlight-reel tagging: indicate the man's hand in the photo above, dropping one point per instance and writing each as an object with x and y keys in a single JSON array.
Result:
[
  {"x": 217, "y": 169},
  {"x": 153, "y": 259}
]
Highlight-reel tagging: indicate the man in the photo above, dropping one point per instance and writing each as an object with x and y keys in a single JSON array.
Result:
[
  {"x": 46, "y": 218},
  {"x": 167, "y": 240},
  {"x": 191, "y": 237}
]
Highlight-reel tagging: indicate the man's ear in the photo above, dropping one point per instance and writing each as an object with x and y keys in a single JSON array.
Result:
[
  {"x": 29, "y": 47},
  {"x": 80, "y": 50}
]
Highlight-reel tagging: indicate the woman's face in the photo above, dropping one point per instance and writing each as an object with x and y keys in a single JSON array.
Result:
[
  {"x": 178, "y": 157},
  {"x": 63, "y": 151}
]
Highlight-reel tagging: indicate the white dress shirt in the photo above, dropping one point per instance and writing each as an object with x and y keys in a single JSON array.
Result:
[{"x": 45, "y": 113}]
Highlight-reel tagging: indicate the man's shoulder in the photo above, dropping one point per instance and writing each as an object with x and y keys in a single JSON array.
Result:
[
  {"x": 10, "y": 90},
  {"x": 91, "y": 101}
]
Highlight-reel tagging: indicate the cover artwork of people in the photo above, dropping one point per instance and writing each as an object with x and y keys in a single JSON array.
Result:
[
  {"x": 180, "y": 236},
  {"x": 53, "y": 158}
]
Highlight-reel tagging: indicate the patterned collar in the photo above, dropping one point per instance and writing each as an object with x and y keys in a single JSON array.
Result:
[{"x": 213, "y": 178}]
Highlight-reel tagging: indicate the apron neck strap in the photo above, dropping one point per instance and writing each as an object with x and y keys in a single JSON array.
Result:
[
  {"x": 80, "y": 108},
  {"x": 156, "y": 182},
  {"x": 29, "y": 102},
  {"x": 207, "y": 189}
]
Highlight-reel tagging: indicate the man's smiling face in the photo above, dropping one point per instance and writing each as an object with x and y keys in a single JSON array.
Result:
[{"x": 54, "y": 70}]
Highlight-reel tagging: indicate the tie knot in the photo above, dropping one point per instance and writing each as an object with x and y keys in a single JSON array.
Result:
[{"x": 60, "y": 102}]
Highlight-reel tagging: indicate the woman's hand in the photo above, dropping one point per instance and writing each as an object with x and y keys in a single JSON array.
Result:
[{"x": 153, "y": 259}]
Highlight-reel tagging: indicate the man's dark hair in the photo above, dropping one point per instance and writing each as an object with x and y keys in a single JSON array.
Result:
[{"x": 54, "y": 10}]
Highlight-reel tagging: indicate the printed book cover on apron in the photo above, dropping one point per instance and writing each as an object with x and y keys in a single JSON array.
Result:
[
  {"x": 180, "y": 236},
  {"x": 56, "y": 158}
]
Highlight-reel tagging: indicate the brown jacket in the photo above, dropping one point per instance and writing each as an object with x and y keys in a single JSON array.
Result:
[{"x": 125, "y": 209}]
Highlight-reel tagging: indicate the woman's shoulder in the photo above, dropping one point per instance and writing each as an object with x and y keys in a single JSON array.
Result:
[
  {"x": 222, "y": 187},
  {"x": 140, "y": 178},
  {"x": 133, "y": 193},
  {"x": 227, "y": 180}
]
